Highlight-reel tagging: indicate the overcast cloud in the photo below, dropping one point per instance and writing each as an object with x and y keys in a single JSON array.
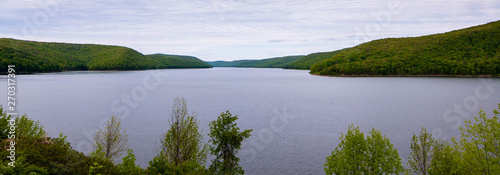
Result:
[{"x": 236, "y": 29}]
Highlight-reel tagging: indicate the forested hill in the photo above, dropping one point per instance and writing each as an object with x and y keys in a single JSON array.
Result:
[
  {"x": 178, "y": 61},
  {"x": 31, "y": 56},
  {"x": 277, "y": 62},
  {"x": 307, "y": 61},
  {"x": 471, "y": 51}
]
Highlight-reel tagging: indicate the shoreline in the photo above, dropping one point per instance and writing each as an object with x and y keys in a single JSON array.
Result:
[
  {"x": 436, "y": 75},
  {"x": 113, "y": 70}
]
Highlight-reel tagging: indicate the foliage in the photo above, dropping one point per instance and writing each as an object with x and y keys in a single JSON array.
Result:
[
  {"x": 128, "y": 166},
  {"x": 479, "y": 144},
  {"x": 160, "y": 165},
  {"x": 177, "y": 61},
  {"x": 356, "y": 154},
  {"x": 277, "y": 62},
  {"x": 182, "y": 148},
  {"x": 472, "y": 51},
  {"x": 445, "y": 159},
  {"x": 227, "y": 138},
  {"x": 31, "y": 56},
  {"x": 228, "y": 63},
  {"x": 111, "y": 141},
  {"x": 25, "y": 127},
  {"x": 93, "y": 168},
  {"x": 476, "y": 152},
  {"x": 307, "y": 61},
  {"x": 421, "y": 152},
  {"x": 49, "y": 156}
]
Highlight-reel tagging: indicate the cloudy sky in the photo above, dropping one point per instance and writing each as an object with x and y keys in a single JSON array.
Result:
[{"x": 237, "y": 29}]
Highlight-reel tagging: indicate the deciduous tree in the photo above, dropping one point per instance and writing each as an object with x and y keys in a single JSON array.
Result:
[
  {"x": 111, "y": 140},
  {"x": 421, "y": 152},
  {"x": 226, "y": 138},
  {"x": 182, "y": 150},
  {"x": 356, "y": 154}
]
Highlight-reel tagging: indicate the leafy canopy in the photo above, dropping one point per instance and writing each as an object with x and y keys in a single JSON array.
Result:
[
  {"x": 182, "y": 150},
  {"x": 356, "y": 154},
  {"x": 226, "y": 140}
]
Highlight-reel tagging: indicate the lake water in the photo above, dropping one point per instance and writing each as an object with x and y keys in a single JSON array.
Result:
[{"x": 297, "y": 118}]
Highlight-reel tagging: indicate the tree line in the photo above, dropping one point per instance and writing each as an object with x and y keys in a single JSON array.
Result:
[
  {"x": 30, "y": 57},
  {"x": 277, "y": 62},
  {"x": 183, "y": 151},
  {"x": 477, "y": 151},
  {"x": 472, "y": 51}
]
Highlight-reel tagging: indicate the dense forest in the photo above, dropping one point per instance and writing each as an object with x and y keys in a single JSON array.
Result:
[
  {"x": 228, "y": 63},
  {"x": 307, "y": 61},
  {"x": 467, "y": 52},
  {"x": 278, "y": 62},
  {"x": 177, "y": 61},
  {"x": 30, "y": 56},
  {"x": 26, "y": 149}
]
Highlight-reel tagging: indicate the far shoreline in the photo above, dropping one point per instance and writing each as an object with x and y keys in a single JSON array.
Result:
[
  {"x": 113, "y": 70},
  {"x": 435, "y": 75}
]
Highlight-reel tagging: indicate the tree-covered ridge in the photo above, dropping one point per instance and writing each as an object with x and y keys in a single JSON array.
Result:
[
  {"x": 228, "y": 63},
  {"x": 277, "y": 62},
  {"x": 31, "y": 56},
  {"x": 307, "y": 61},
  {"x": 177, "y": 61},
  {"x": 472, "y": 51}
]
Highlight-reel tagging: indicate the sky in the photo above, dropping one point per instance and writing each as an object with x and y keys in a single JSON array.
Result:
[{"x": 237, "y": 29}]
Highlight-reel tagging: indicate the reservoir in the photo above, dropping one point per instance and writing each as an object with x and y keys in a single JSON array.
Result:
[{"x": 297, "y": 118}]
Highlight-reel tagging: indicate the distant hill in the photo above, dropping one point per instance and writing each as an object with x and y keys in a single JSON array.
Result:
[
  {"x": 177, "y": 61},
  {"x": 277, "y": 62},
  {"x": 467, "y": 52},
  {"x": 227, "y": 63},
  {"x": 307, "y": 61},
  {"x": 31, "y": 56}
]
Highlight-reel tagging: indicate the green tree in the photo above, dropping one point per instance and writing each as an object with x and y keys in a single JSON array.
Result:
[
  {"x": 444, "y": 160},
  {"x": 381, "y": 157},
  {"x": 421, "y": 152},
  {"x": 182, "y": 150},
  {"x": 356, "y": 154},
  {"x": 128, "y": 166},
  {"x": 24, "y": 126},
  {"x": 479, "y": 144},
  {"x": 37, "y": 154},
  {"x": 227, "y": 138},
  {"x": 112, "y": 140},
  {"x": 27, "y": 127},
  {"x": 348, "y": 156}
]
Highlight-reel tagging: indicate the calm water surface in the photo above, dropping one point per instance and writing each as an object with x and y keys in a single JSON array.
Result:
[{"x": 297, "y": 118}]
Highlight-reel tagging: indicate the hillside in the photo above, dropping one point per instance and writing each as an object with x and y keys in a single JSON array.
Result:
[
  {"x": 307, "y": 61},
  {"x": 227, "y": 63},
  {"x": 277, "y": 62},
  {"x": 467, "y": 52},
  {"x": 31, "y": 56},
  {"x": 177, "y": 61}
]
